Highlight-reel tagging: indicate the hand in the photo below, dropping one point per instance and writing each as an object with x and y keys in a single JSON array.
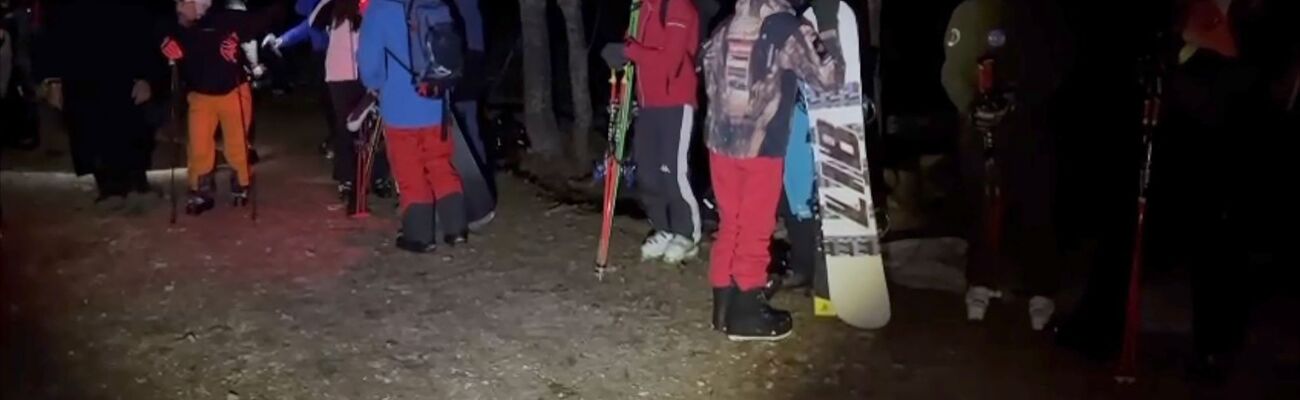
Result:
[
  {"x": 258, "y": 70},
  {"x": 141, "y": 92},
  {"x": 613, "y": 55},
  {"x": 828, "y": 14},
  {"x": 172, "y": 49},
  {"x": 273, "y": 42},
  {"x": 989, "y": 112}
]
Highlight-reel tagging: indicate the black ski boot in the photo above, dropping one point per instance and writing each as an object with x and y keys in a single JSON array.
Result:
[
  {"x": 750, "y": 318},
  {"x": 198, "y": 203},
  {"x": 384, "y": 189},
  {"x": 239, "y": 196},
  {"x": 721, "y": 302},
  {"x": 415, "y": 246}
]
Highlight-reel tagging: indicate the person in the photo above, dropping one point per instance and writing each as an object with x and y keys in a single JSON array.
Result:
[
  {"x": 102, "y": 90},
  {"x": 342, "y": 19},
  {"x": 419, "y": 149},
  {"x": 1029, "y": 53},
  {"x": 752, "y": 67},
  {"x": 304, "y": 31},
  {"x": 207, "y": 48},
  {"x": 665, "y": 58}
]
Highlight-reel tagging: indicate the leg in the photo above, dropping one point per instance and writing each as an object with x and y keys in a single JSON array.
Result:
[
  {"x": 202, "y": 128},
  {"x": 727, "y": 187},
  {"x": 235, "y": 114},
  {"x": 650, "y": 161},
  {"x": 343, "y": 96},
  {"x": 683, "y": 209},
  {"x": 435, "y": 157},
  {"x": 761, "y": 182},
  {"x": 416, "y": 200}
]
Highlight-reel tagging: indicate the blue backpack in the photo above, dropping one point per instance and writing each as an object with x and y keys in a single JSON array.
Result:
[{"x": 436, "y": 49}]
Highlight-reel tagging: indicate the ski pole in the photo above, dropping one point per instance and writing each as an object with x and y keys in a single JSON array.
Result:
[
  {"x": 1125, "y": 370},
  {"x": 176, "y": 140}
]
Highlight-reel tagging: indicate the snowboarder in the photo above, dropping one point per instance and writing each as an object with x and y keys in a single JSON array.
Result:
[
  {"x": 752, "y": 66},
  {"x": 102, "y": 87},
  {"x": 419, "y": 148},
  {"x": 1022, "y": 38},
  {"x": 207, "y": 48},
  {"x": 665, "y": 57}
]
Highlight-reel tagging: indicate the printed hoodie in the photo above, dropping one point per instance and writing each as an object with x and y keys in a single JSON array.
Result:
[
  {"x": 753, "y": 65},
  {"x": 665, "y": 53},
  {"x": 382, "y": 57}
]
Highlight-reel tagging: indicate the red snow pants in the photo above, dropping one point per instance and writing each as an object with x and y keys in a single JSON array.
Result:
[
  {"x": 748, "y": 191},
  {"x": 421, "y": 162}
]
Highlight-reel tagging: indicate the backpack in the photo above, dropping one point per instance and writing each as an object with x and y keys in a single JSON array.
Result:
[{"x": 435, "y": 47}]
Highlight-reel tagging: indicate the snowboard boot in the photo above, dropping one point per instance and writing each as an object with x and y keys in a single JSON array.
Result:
[
  {"x": 750, "y": 318},
  {"x": 345, "y": 190},
  {"x": 721, "y": 302},
  {"x": 680, "y": 249},
  {"x": 198, "y": 203},
  {"x": 977, "y": 301},
  {"x": 239, "y": 196},
  {"x": 1040, "y": 312},
  {"x": 384, "y": 189},
  {"x": 451, "y": 218},
  {"x": 655, "y": 245}
]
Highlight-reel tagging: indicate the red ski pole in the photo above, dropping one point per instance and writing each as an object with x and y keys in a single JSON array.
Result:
[
  {"x": 611, "y": 176},
  {"x": 1126, "y": 368}
]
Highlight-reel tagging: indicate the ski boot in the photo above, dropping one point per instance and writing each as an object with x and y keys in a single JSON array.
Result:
[
  {"x": 198, "y": 203},
  {"x": 680, "y": 249},
  {"x": 655, "y": 245},
  {"x": 750, "y": 318},
  {"x": 977, "y": 301},
  {"x": 239, "y": 196},
  {"x": 1040, "y": 312},
  {"x": 345, "y": 190},
  {"x": 384, "y": 188}
]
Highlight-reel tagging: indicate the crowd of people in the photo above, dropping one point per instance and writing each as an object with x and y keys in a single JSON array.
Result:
[{"x": 751, "y": 66}]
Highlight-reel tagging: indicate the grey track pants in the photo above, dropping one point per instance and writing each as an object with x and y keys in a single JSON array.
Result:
[{"x": 661, "y": 146}]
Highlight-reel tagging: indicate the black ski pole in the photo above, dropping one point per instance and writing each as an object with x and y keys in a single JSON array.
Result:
[{"x": 176, "y": 140}]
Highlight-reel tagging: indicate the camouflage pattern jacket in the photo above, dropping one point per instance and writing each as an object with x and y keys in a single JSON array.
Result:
[{"x": 753, "y": 66}]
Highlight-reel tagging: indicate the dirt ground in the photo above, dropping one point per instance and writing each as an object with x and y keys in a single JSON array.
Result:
[{"x": 306, "y": 304}]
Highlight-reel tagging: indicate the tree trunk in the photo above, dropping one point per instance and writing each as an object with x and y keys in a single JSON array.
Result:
[
  {"x": 539, "y": 114},
  {"x": 575, "y": 33}
]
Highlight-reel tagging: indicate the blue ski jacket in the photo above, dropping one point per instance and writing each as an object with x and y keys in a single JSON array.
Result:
[{"x": 382, "y": 59}]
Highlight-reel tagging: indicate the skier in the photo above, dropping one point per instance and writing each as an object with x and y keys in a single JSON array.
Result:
[
  {"x": 207, "y": 49},
  {"x": 101, "y": 87},
  {"x": 752, "y": 67},
  {"x": 1023, "y": 38},
  {"x": 419, "y": 149},
  {"x": 319, "y": 39},
  {"x": 342, "y": 18},
  {"x": 665, "y": 58}
]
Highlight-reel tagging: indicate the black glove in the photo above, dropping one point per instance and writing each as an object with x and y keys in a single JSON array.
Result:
[
  {"x": 828, "y": 14},
  {"x": 989, "y": 111},
  {"x": 613, "y": 55}
]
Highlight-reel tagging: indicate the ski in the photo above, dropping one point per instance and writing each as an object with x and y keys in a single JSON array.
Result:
[
  {"x": 1126, "y": 368},
  {"x": 620, "y": 119}
]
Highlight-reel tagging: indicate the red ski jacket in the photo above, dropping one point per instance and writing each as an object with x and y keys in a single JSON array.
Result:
[{"x": 665, "y": 53}]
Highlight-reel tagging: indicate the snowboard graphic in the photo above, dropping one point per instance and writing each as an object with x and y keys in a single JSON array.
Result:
[{"x": 853, "y": 284}]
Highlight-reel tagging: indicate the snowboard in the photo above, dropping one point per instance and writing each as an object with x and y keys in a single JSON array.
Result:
[
  {"x": 852, "y": 286},
  {"x": 480, "y": 204}
]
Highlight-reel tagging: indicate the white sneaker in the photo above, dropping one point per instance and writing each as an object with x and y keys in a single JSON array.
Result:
[
  {"x": 655, "y": 245},
  {"x": 977, "y": 301},
  {"x": 680, "y": 249},
  {"x": 1040, "y": 311}
]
